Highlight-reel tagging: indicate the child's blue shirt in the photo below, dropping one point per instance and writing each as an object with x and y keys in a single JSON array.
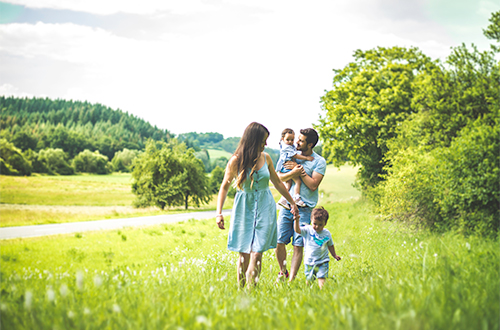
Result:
[{"x": 316, "y": 245}]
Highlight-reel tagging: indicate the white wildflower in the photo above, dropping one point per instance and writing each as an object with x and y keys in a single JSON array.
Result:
[
  {"x": 71, "y": 314},
  {"x": 116, "y": 308},
  {"x": 97, "y": 281},
  {"x": 79, "y": 280},
  {"x": 51, "y": 295},
  {"x": 63, "y": 290},
  {"x": 28, "y": 299}
]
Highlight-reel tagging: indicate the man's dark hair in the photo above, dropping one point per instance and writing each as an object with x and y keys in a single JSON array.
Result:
[
  {"x": 311, "y": 136},
  {"x": 320, "y": 214}
]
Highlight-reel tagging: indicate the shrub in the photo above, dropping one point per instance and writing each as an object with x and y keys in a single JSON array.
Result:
[
  {"x": 13, "y": 161},
  {"x": 447, "y": 188},
  {"x": 92, "y": 162},
  {"x": 468, "y": 181},
  {"x": 56, "y": 161},
  {"x": 123, "y": 160}
]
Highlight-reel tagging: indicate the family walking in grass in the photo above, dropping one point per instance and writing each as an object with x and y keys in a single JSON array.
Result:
[{"x": 253, "y": 229}]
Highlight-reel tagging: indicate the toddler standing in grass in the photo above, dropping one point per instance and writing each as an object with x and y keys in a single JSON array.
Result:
[
  {"x": 317, "y": 243},
  {"x": 289, "y": 152}
]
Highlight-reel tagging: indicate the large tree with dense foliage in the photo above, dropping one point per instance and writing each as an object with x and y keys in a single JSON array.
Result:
[
  {"x": 444, "y": 165},
  {"x": 370, "y": 98},
  {"x": 169, "y": 175},
  {"x": 428, "y": 141}
]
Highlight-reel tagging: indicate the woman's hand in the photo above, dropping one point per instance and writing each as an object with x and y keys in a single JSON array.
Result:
[
  {"x": 220, "y": 221},
  {"x": 295, "y": 211}
]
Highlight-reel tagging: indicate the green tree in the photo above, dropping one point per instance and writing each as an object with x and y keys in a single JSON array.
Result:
[
  {"x": 443, "y": 167},
  {"x": 123, "y": 160},
  {"x": 92, "y": 162},
  {"x": 13, "y": 162},
  {"x": 216, "y": 178},
  {"x": 493, "y": 30},
  {"x": 169, "y": 175},
  {"x": 370, "y": 98},
  {"x": 24, "y": 141},
  {"x": 56, "y": 161}
]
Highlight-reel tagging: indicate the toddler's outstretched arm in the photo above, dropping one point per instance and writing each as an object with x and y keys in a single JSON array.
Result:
[
  {"x": 301, "y": 157},
  {"x": 332, "y": 252}
]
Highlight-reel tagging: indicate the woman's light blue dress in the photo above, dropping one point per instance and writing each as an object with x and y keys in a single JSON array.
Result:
[{"x": 253, "y": 225}]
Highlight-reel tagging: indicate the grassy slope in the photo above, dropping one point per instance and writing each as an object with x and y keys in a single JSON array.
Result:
[{"x": 163, "y": 277}]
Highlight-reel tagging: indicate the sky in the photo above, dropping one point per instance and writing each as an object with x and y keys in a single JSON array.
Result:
[{"x": 215, "y": 65}]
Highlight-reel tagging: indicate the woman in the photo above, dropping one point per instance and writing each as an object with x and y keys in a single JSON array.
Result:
[{"x": 253, "y": 227}]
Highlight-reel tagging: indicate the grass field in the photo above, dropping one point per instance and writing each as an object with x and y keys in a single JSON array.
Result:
[
  {"x": 181, "y": 276},
  {"x": 57, "y": 199},
  {"x": 216, "y": 153}
]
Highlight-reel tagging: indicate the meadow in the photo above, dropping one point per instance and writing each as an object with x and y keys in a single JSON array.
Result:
[
  {"x": 37, "y": 200},
  {"x": 40, "y": 199},
  {"x": 181, "y": 276}
]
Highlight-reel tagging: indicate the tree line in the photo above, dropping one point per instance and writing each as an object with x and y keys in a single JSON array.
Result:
[
  {"x": 40, "y": 123},
  {"x": 425, "y": 133}
]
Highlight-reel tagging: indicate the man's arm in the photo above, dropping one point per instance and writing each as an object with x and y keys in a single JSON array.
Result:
[
  {"x": 295, "y": 171},
  {"x": 312, "y": 182}
]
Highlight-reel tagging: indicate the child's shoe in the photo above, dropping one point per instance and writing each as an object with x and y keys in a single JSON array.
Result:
[
  {"x": 284, "y": 203},
  {"x": 299, "y": 202},
  {"x": 282, "y": 276}
]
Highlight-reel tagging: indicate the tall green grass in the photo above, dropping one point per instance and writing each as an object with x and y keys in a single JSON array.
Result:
[{"x": 181, "y": 275}]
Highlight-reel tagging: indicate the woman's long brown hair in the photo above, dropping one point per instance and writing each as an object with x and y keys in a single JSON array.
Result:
[{"x": 248, "y": 151}]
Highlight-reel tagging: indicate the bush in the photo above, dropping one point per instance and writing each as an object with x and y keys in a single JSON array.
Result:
[
  {"x": 123, "y": 160},
  {"x": 56, "y": 161},
  {"x": 13, "y": 161},
  {"x": 92, "y": 162},
  {"x": 468, "y": 181},
  {"x": 37, "y": 165},
  {"x": 447, "y": 188}
]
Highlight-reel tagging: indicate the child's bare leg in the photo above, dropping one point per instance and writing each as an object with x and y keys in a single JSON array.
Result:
[
  {"x": 321, "y": 282},
  {"x": 242, "y": 266},
  {"x": 296, "y": 189}
]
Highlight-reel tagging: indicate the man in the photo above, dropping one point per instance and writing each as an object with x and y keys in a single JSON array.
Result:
[{"x": 311, "y": 173}]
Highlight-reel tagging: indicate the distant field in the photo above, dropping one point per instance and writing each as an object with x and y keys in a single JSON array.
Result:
[
  {"x": 337, "y": 184},
  {"x": 58, "y": 199},
  {"x": 216, "y": 153}
]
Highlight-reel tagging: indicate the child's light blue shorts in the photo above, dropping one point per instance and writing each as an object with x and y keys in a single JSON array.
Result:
[{"x": 316, "y": 271}]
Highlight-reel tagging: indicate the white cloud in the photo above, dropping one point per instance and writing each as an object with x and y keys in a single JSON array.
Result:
[
  {"x": 108, "y": 7},
  {"x": 9, "y": 90},
  {"x": 224, "y": 74}
]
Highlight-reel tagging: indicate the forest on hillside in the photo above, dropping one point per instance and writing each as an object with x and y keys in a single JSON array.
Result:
[
  {"x": 39, "y": 123},
  {"x": 63, "y": 137}
]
